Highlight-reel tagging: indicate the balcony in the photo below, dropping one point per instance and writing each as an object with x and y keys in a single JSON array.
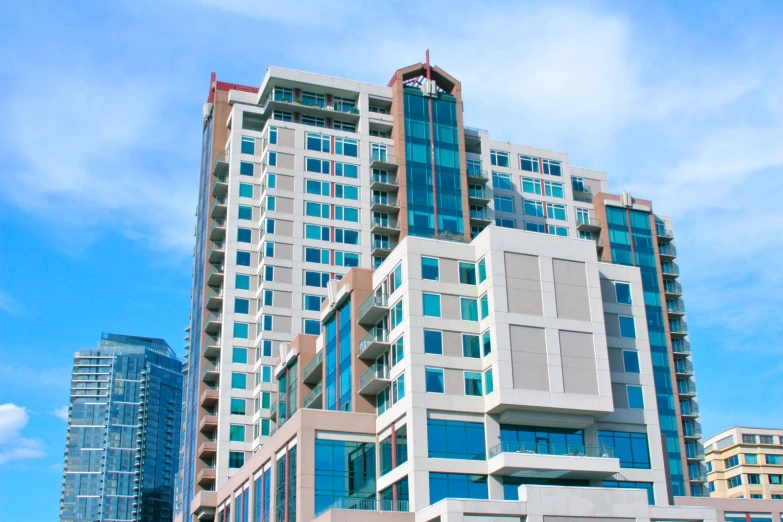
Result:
[
  {"x": 314, "y": 399},
  {"x": 374, "y": 380},
  {"x": 220, "y": 186},
  {"x": 384, "y": 203},
  {"x": 219, "y": 208},
  {"x": 220, "y": 165},
  {"x": 588, "y": 223},
  {"x": 694, "y": 454},
  {"x": 672, "y": 289},
  {"x": 207, "y": 449},
  {"x": 664, "y": 236},
  {"x": 211, "y": 372},
  {"x": 477, "y": 175},
  {"x": 383, "y": 161},
  {"x": 667, "y": 252},
  {"x": 217, "y": 252},
  {"x": 345, "y": 111},
  {"x": 215, "y": 298},
  {"x": 478, "y": 197},
  {"x": 384, "y": 182},
  {"x": 385, "y": 226},
  {"x": 367, "y": 504},
  {"x": 208, "y": 423},
  {"x": 215, "y": 275},
  {"x": 217, "y": 231},
  {"x": 697, "y": 477},
  {"x": 373, "y": 309},
  {"x": 675, "y": 310},
  {"x": 683, "y": 368},
  {"x": 374, "y": 343},
  {"x": 381, "y": 247},
  {"x": 686, "y": 388},
  {"x": 206, "y": 476},
  {"x": 213, "y": 322},
  {"x": 680, "y": 348},
  {"x": 209, "y": 397},
  {"x": 273, "y": 409},
  {"x": 669, "y": 271},
  {"x": 559, "y": 461},
  {"x": 312, "y": 372},
  {"x": 689, "y": 409},
  {"x": 691, "y": 432},
  {"x": 581, "y": 188},
  {"x": 480, "y": 216},
  {"x": 212, "y": 349},
  {"x": 678, "y": 329}
]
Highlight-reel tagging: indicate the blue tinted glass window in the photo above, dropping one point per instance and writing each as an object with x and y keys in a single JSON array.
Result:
[
  {"x": 434, "y": 380},
  {"x": 344, "y": 470},
  {"x": 623, "y": 291},
  {"x": 469, "y": 309},
  {"x": 433, "y": 342},
  {"x": 647, "y": 486},
  {"x": 631, "y": 361},
  {"x": 243, "y": 258},
  {"x": 467, "y": 273},
  {"x": 245, "y": 190},
  {"x": 431, "y": 304},
  {"x": 236, "y": 433},
  {"x": 455, "y": 485},
  {"x": 430, "y": 268},
  {"x": 243, "y": 235},
  {"x": 237, "y": 406},
  {"x": 248, "y": 145},
  {"x": 473, "y": 384},
  {"x": 313, "y": 302},
  {"x": 239, "y": 381},
  {"x": 242, "y": 282},
  {"x": 245, "y": 212},
  {"x": 240, "y": 330},
  {"x": 268, "y": 297},
  {"x": 245, "y": 168},
  {"x": 266, "y": 321},
  {"x": 270, "y": 226},
  {"x": 236, "y": 459},
  {"x": 631, "y": 448},
  {"x": 269, "y": 273},
  {"x": 471, "y": 346},
  {"x": 448, "y": 439},
  {"x": 241, "y": 306},
  {"x": 312, "y": 326},
  {"x": 627, "y": 327},
  {"x": 635, "y": 397}
]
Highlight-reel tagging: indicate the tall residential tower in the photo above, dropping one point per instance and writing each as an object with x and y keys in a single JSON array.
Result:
[
  {"x": 308, "y": 176},
  {"x": 121, "y": 453}
]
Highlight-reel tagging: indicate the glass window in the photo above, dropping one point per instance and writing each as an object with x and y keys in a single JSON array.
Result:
[
  {"x": 557, "y": 230},
  {"x": 534, "y": 208},
  {"x": 535, "y": 227},
  {"x": 457, "y": 485},
  {"x": 269, "y": 273},
  {"x": 241, "y": 306},
  {"x": 774, "y": 459},
  {"x": 313, "y": 302},
  {"x": 735, "y": 482},
  {"x": 775, "y": 479},
  {"x": 555, "y": 211},
  {"x": 754, "y": 478},
  {"x": 467, "y": 273},
  {"x": 484, "y": 306},
  {"x": 504, "y": 203},
  {"x": 245, "y": 168},
  {"x": 269, "y": 296},
  {"x": 473, "y": 384},
  {"x": 269, "y": 249},
  {"x": 239, "y": 381},
  {"x": 344, "y": 470},
  {"x": 471, "y": 347},
  {"x": 531, "y": 186},
  {"x": 242, "y": 282},
  {"x": 635, "y": 398},
  {"x": 498, "y": 158},
  {"x": 270, "y": 226},
  {"x": 240, "y": 330},
  {"x": 501, "y": 181},
  {"x": 623, "y": 291},
  {"x": 627, "y": 327},
  {"x": 505, "y": 223},
  {"x": 237, "y": 406},
  {"x": 447, "y": 439},
  {"x": 433, "y": 342},
  {"x": 469, "y": 309},
  {"x": 434, "y": 380},
  {"x": 431, "y": 304},
  {"x": 312, "y": 326},
  {"x": 551, "y": 167},
  {"x": 731, "y": 462},
  {"x": 236, "y": 459},
  {"x": 239, "y": 355},
  {"x": 395, "y": 278},
  {"x": 489, "y": 382},
  {"x": 486, "y": 342},
  {"x": 631, "y": 361},
  {"x": 482, "y": 270},
  {"x": 528, "y": 163},
  {"x": 248, "y": 145},
  {"x": 317, "y": 142},
  {"x": 430, "y": 268},
  {"x": 243, "y": 258},
  {"x": 245, "y": 190},
  {"x": 631, "y": 448},
  {"x": 237, "y": 433},
  {"x": 553, "y": 189},
  {"x": 397, "y": 350},
  {"x": 245, "y": 212},
  {"x": 396, "y": 314},
  {"x": 647, "y": 486},
  {"x": 346, "y": 147}
]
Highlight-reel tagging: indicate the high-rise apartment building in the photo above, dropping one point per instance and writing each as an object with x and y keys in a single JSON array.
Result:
[
  {"x": 307, "y": 176},
  {"x": 745, "y": 463},
  {"x": 123, "y": 436}
]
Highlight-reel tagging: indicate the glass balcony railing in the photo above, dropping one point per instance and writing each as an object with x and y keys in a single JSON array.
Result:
[
  {"x": 477, "y": 172},
  {"x": 312, "y": 365},
  {"x": 374, "y": 336},
  {"x": 313, "y": 395},
  {"x": 365, "y": 504},
  {"x": 581, "y": 187},
  {"x": 384, "y": 177},
  {"x": 376, "y": 371},
  {"x": 669, "y": 269},
  {"x": 565, "y": 450},
  {"x": 389, "y": 201}
]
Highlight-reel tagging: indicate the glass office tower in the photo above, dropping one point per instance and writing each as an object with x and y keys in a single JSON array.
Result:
[{"x": 122, "y": 442}]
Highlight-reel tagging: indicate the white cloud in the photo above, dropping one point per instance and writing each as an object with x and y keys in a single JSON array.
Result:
[
  {"x": 13, "y": 446},
  {"x": 9, "y": 304},
  {"x": 61, "y": 413}
]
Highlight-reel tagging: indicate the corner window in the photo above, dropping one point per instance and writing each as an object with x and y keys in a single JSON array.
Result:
[
  {"x": 482, "y": 270},
  {"x": 623, "y": 291},
  {"x": 430, "y": 268},
  {"x": 489, "y": 382},
  {"x": 484, "y": 306},
  {"x": 469, "y": 309},
  {"x": 627, "y": 327},
  {"x": 473, "y": 384},
  {"x": 467, "y": 273},
  {"x": 471, "y": 346}
]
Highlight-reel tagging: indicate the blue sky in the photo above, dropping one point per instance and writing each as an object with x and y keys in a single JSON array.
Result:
[{"x": 678, "y": 102}]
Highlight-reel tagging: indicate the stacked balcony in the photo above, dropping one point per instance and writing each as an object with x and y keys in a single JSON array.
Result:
[
  {"x": 384, "y": 182},
  {"x": 382, "y": 160},
  {"x": 374, "y": 343},
  {"x": 374, "y": 380},
  {"x": 219, "y": 207},
  {"x": 477, "y": 175},
  {"x": 314, "y": 399},
  {"x": 588, "y": 223},
  {"x": 385, "y": 225},
  {"x": 382, "y": 202},
  {"x": 314, "y": 369},
  {"x": 217, "y": 252}
]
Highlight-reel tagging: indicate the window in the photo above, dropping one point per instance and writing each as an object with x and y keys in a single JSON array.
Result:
[
  {"x": 320, "y": 188},
  {"x": 269, "y": 273},
  {"x": 484, "y": 306},
  {"x": 312, "y": 326},
  {"x": 551, "y": 167},
  {"x": 346, "y": 147},
  {"x": 395, "y": 278},
  {"x": 534, "y": 208},
  {"x": 349, "y": 259},
  {"x": 271, "y": 203},
  {"x": 313, "y": 303},
  {"x": 318, "y": 166},
  {"x": 735, "y": 482},
  {"x": 631, "y": 448},
  {"x": 350, "y": 214},
  {"x": 501, "y": 181},
  {"x": 269, "y": 296},
  {"x": 433, "y": 342},
  {"x": 457, "y": 485},
  {"x": 312, "y": 99},
  {"x": 242, "y": 282},
  {"x": 467, "y": 273},
  {"x": 731, "y": 462},
  {"x": 557, "y": 231},
  {"x": 245, "y": 212},
  {"x": 473, "y": 384},
  {"x": 471, "y": 347},
  {"x": 775, "y": 479},
  {"x": 236, "y": 433},
  {"x": 273, "y": 135},
  {"x": 627, "y": 327},
  {"x": 320, "y": 256},
  {"x": 447, "y": 439},
  {"x": 271, "y": 158},
  {"x": 346, "y": 170},
  {"x": 282, "y": 115},
  {"x": 239, "y": 381},
  {"x": 531, "y": 186},
  {"x": 398, "y": 388},
  {"x": 631, "y": 361},
  {"x": 237, "y": 406},
  {"x": 434, "y": 380},
  {"x": 267, "y": 348},
  {"x": 498, "y": 158},
  {"x": 486, "y": 342},
  {"x": 314, "y": 121},
  {"x": 751, "y": 459},
  {"x": 317, "y": 232},
  {"x": 774, "y": 459},
  {"x": 766, "y": 439},
  {"x": 245, "y": 168},
  {"x": 431, "y": 304},
  {"x": 346, "y": 236},
  {"x": 317, "y": 142},
  {"x": 248, "y": 145},
  {"x": 535, "y": 227},
  {"x": 239, "y": 355},
  {"x": 348, "y": 127},
  {"x": 553, "y": 189},
  {"x": 240, "y": 330},
  {"x": 482, "y": 270},
  {"x": 554, "y": 211},
  {"x": 266, "y": 321},
  {"x": 469, "y": 309},
  {"x": 318, "y": 210},
  {"x": 243, "y": 258},
  {"x": 430, "y": 268},
  {"x": 236, "y": 459},
  {"x": 528, "y": 163},
  {"x": 578, "y": 184},
  {"x": 647, "y": 486},
  {"x": 397, "y": 350},
  {"x": 378, "y": 151},
  {"x": 505, "y": 223},
  {"x": 489, "y": 382},
  {"x": 270, "y": 226},
  {"x": 346, "y": 192},
  {"x": 269, "y": 249},
  {"x": 245, "y": 190},
  {"x": 504, "y": 203},
  {"x": 754, "y": 478},
  {"x": 317, "y": 279},
  {"x": 396, "y": 314},
  {"x": 635, "y": 398},
  {"x": 623, "y": 291}
]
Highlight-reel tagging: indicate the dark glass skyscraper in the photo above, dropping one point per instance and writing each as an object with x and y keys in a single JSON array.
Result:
[{"x": 122, "y": 443}]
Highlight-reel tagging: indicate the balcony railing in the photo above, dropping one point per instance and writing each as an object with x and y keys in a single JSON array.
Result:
[
  {"x": 586, "y": 222},
  {"x": 376, "y": 302},
  {"x": 581, "y": 187},
  {"x": 686, "y": 387},
  {"x": 667, "y": 250},
  {"x": 366, "y": 504},
  {"x": 692, "y": 431},
  {"x": 662, "y": 233},
  {"x": 678, "y": 328},
  {"x": 697, "y": 453},
  {"x": 312, "y": 365},
  {"x": 384, "y": 179},
  {"x": 387, "y": 201},
  {"x": 689, "y": 408},
  {"x": 376, "y": 371},
  {"x": 313, "y": 395},
  {"x": 375, "y": 335},
  {"x": 680, "y": 347},
  {"x": 672, "y": 270},
  {"x": 565, "y": 450},
  {"x": 673, "y": 288},
  {"x": 477, "y": 173},
  {"x": 683, "y": 366}
]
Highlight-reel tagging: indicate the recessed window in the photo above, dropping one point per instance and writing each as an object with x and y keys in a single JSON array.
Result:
[
  {"x": 501, "y": 181},
  {"x": 269, "y": 297},
  {"x": 434, "y": 380},
  {"x": 433, "y": 342},
  {"x": 754, "y": 478},
  {"x": 431, "y": 304},
  {"x": 430, "y": 268},
  {"x": 774, "y": 459},
  {"x": 635, "y": 397},
  {"x": 269, "y": 249},
  {"x": 631, "y": 361},
  {"x": 236, "y": 433},
  {"x": 627, "y": 327},
  {"x": 498, "y": 158},
  {"x": 751, "y": 459},
  {"x": 245, "y": 190},
  {"x": 452, "y": 439},
  {"x": 623, "y": 291},
  {"x": 239, "y": 355},
  {"x": 238, "y": 406},
  {"x": 473, "y": 384},
  {"x": 486, "y": 342},
  {"x": 395, "y": 314},
  {"x": 244, "y": 235},
  {"x": 489, "y": 382},
  {"x": 467, "y": 273},
  {"x": 484, "y": 306},
  {"x": 245, "y": 168},
  {"x": 482, "y": 270},
  {"x": 313, "y": 302},
  {"x": 240, "y": 330},
  {"x": 248, "y": 145},
  {"x": 236, "y": 459},
  {"x": 241, "y": 306},
  {"x": 471, "y": 346},
  {"x": 245, "y": 212},
  {"x": 731, "y": 462},
  {"x": 735, "y": 482},
  {"x": 504, "y": 203},
  {"x": 242, "y": 282},
  {"x": 312, "y": 326},
  {"x": 469, "y": 309},
  {"x": 266, "y": 321},
  {"x": 243, "y": 258},
  {"x": 269, "y": 273},
  {"x": 239, "y": 381}
]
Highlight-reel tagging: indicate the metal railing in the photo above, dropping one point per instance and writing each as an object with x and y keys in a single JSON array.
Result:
[
  {"x": 477, "y": 173},
  {"x": 376, "y": 371},
  {"x": 366, "y": 504},
  {"x": 670, "y": 269},
  {"x": 693, "y": 431},
  {"x": 565, "y": 450},
  {"x": 221, "y": 178},
  {"x": 219, "y": 222},
  {"x": 588, "y": 220},
  {"x": 378, "y": 177},
  {"x": 319, "y": 357},
  {"x": 694, "y": 453},
  {"x": 383, "y": 157},
  {"x": 375, "y": 299},
  {"x": 375, "y": 335},
  {"x": 667, "y": 250},
  {"x": 389, "y": 201},
  {"x": 314, "y": 393},
  {"x": 385, "y": 222},
  {"x": 472, "y": 193}
]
